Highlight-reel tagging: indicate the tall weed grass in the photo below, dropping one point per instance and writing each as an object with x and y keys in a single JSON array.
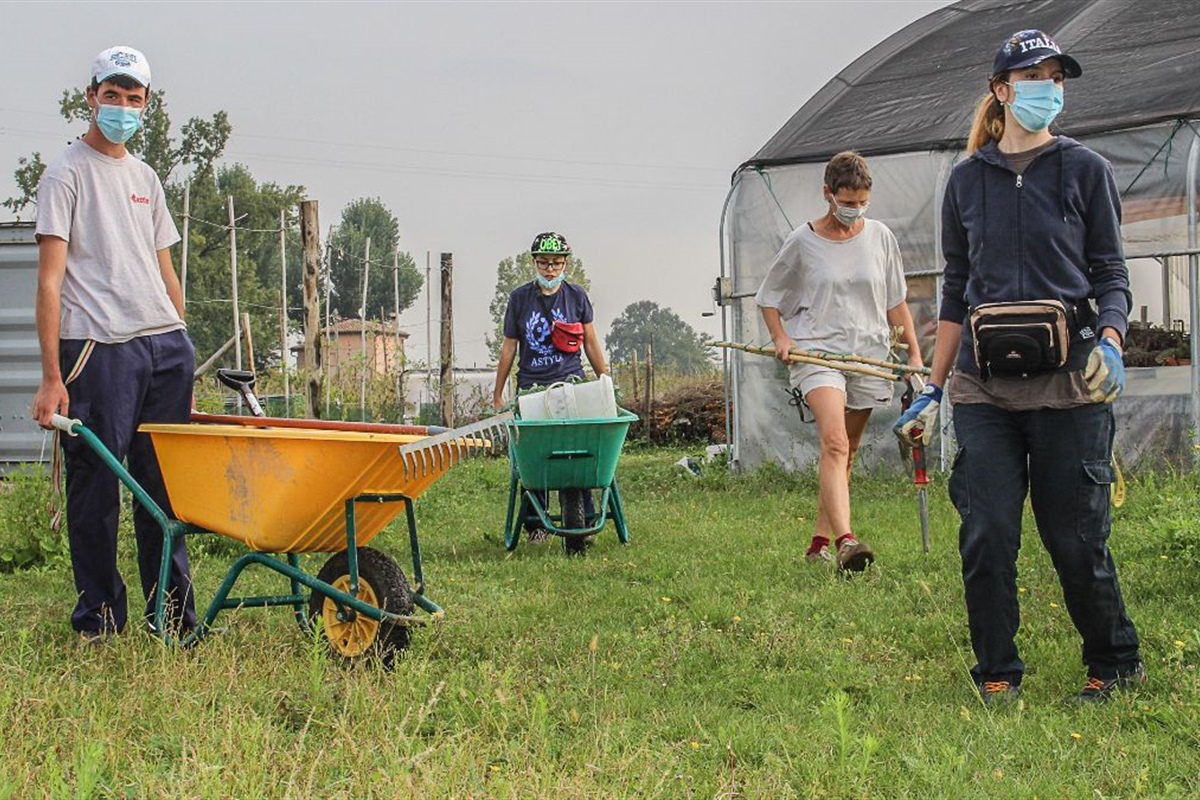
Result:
[{"x": 707, "y": 659}]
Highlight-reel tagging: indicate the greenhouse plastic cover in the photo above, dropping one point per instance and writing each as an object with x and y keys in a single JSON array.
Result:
[
  {"x": 917, "y": 89},
  {"x": 907, "y": 105}
]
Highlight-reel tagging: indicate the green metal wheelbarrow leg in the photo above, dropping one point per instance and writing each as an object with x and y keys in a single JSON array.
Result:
[
  {"x": 512, "y": 527},
  {"x": 172, "y": 529},
  {"x": 616, "y": 507},
  {"x": 299, "y": 608},
  {"x": 419, "y": 590}
]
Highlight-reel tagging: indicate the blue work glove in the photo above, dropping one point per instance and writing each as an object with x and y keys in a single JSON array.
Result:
[
  {"x": 1105, "y": 371},
  {"x": 916, "y": 425}
]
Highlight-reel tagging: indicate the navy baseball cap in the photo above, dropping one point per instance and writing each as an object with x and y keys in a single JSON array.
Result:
[{"x": 1026, "y": 48}]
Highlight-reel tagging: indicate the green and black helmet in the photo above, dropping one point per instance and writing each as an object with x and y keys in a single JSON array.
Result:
[{"x": 550, "y": 244}]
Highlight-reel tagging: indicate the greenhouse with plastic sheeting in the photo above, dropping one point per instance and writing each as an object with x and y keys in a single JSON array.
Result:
[{"x": 907, "y": 106}]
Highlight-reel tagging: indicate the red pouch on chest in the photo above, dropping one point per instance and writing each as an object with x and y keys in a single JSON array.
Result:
[{"x": 566, "y": 337}]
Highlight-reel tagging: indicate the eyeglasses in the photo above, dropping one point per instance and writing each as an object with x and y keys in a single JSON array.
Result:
[{"x": 547, "y": 265}]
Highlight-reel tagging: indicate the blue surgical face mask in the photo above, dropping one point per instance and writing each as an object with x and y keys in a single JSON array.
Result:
[
  {"x": 1035, "y": 104},
  {"x": 551, "y": 283},
  {"x": 118, "y": 123},
  {"x": 848, "y": 215}
]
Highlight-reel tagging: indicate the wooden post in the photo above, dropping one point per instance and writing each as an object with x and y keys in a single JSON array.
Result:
[
  {"x": 362, "y": 317},
  {"x": 237, "y": 317},
  {"x": 446, "y": 377},
  {"x": 650, "y": 389},
  {"x": 635, "y": 395},
  {"x": 329, "y": 351},
  {"x": 283, "y": 309},
  {"x": 310, "y": 240}
]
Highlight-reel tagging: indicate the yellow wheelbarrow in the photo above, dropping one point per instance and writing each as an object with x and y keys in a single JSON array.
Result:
[{"x": 283, "y": 488}]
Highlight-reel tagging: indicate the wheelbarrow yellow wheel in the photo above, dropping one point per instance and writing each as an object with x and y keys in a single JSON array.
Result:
[{"x": 381, "y": 583}]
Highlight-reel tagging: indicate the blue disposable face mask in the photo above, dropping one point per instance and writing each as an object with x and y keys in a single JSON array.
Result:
[
  {"x": 118, "y": 123},
  {"x": 551, "y": 283},
  {"x": 1035, "y": 104}
]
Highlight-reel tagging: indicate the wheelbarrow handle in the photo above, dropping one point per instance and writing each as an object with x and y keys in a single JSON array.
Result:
[{"x": 65, "y": 424}]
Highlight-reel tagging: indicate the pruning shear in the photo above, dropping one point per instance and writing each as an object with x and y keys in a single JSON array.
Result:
[{"x": 920, "y": 474}]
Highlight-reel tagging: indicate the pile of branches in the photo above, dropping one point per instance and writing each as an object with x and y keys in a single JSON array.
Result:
[
  {"x": 692, "y": 413},
  {"x": 1148, "y": 346}
]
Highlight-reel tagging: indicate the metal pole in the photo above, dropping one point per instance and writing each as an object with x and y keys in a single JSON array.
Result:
[
  {"x": 396, "y": 321},
  {"x": 187, "y": 218},
  {"x": 237, "y": 322},
  {"x": 428, "y": 322},
  {"x": 1194, "y": 292},
  {"x": 727, "y": 359},
  {"x": 283, "y": 314}
]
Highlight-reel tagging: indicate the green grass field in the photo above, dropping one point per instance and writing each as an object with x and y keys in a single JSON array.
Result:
[{"x": 705, "y": 660}]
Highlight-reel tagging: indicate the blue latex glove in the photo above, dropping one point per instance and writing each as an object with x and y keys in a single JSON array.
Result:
[
  {"x": 1105, "y": 371},
  {"x": 916, "y": 425}
]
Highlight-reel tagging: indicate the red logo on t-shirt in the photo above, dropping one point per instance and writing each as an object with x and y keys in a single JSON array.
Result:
[{"x": 142, "y": 200}]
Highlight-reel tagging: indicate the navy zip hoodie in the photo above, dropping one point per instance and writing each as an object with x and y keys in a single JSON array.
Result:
[{"x": 1051, "y": 233}]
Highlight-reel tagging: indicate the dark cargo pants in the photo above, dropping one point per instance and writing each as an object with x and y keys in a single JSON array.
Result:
[{"x": 1063, "y": 459}]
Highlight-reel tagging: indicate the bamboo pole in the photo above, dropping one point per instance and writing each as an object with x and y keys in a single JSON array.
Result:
[
  {"x": 800, "y": 357},
  {"x": 843, "y": 361}
]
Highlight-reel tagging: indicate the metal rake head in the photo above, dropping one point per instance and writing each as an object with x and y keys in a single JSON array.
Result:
[{"x": 436, "y": 454}]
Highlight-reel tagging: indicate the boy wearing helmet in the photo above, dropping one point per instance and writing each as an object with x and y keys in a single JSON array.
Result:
[
  {"x": 547, "y": 325},
  {"x": 534, "y": 310}
]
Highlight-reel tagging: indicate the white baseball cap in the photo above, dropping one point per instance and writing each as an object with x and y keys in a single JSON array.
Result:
[{"x": 121, "y": 60}]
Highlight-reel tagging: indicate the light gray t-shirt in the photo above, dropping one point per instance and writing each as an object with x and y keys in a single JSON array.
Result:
[
  {"x": 113, "y": 214},
  {"x": 834, "y": 296}
]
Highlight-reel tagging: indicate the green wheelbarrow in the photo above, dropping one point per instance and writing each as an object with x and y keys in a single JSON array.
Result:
[{"x": 571, "y": 456}]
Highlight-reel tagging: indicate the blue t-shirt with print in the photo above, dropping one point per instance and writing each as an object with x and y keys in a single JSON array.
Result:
[{"x": 539, "y": 363}]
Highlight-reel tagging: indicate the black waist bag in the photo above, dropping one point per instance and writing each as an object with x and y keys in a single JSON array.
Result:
[{"x": 1020, "y": 338}]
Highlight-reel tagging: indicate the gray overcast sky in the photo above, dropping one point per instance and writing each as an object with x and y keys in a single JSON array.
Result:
[{"x": 477, "y": 124}]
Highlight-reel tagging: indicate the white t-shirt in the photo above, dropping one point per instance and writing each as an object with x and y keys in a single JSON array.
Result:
[
  {"x": 113, "y": 214},
  {"x": 834, "y": 296}
]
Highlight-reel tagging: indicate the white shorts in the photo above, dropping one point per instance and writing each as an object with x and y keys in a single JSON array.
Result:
[{"x": 862, "y": 391}]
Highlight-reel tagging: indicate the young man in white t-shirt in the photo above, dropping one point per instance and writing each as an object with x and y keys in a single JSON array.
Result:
[
  {"x": 115, "y": 350},
  {"x": 837, "y": 286}
]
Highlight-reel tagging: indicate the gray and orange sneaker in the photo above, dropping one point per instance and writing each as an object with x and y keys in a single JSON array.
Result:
[
  {"x": 1099, "y": 690},
  {"x": 853, "y": 555},
  {"x": 993, "y": 692}
]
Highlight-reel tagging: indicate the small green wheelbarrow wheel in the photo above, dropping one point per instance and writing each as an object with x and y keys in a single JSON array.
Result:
[{"x": 381, "y": 583}]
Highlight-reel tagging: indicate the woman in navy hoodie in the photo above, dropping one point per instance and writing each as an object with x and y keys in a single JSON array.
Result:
[{"x": 1031, "y": 223}]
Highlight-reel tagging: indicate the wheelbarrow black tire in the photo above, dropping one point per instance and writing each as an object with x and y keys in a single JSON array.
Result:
[
  {"x": 381, "y": 583},
  {"x": 573, "y": 516}
]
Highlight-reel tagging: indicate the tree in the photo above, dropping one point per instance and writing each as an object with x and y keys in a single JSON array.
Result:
[
  {"x": 363, "y": 218},
  {"x": 513, "y": 272},
  {"x": 676, "y": 344},
  {"x": 209, "y": 293},
  {"x": 201, "y": 143}
]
